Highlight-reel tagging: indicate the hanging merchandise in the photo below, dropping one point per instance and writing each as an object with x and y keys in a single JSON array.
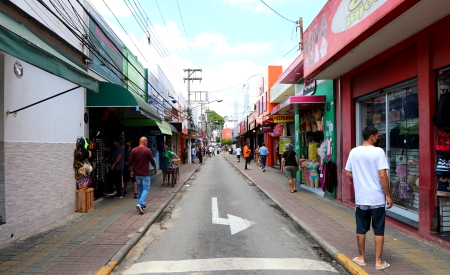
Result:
[
  {"x": 443, "y": 142},
  {"x": 443, "y": 187},
  {"x": 277, "y": 130},
  {"x": 442, "y": 115},
  {"x": 443, "y": 167},
  {"x": 312, "y": 150}
]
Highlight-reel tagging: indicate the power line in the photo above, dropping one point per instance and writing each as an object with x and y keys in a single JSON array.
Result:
[
  {"x": 165, "y": 24},
  {"x": 295, "y": 22},
  {"x": 185, "y": 33}
]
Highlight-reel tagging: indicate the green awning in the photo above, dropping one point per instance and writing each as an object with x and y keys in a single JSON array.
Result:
[
  {"x": 163, "y": 126},
  {"x": 21, "y": 43},
  {"x": 113, "y": 95}
]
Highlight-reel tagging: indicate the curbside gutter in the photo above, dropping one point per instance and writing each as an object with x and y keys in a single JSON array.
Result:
[
  {"x": 123, "y": 252},
  {"x": 343, "y": 260}
]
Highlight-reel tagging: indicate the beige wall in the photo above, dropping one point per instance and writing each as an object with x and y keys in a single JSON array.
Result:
[{"x": 39, "y": 186}]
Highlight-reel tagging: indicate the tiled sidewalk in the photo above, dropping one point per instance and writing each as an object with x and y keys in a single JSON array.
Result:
[
  {"x": 84, "y": 242},
  {"x": 333, "y": 226}
]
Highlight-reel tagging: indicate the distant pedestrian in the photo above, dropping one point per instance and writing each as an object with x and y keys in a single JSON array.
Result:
[
  {"x": 290, "y": 165},
  {"x": 200, "y": 154},
  {"x": 193, "y": 152},
  {"x": 139, "y": 168},
  {"x": 247, "y": 155},
  {"x": 210, "y": 151},
  {"x": 126, "y": 171},
  {"x": 263, "y": 152},
  {"x": 257, "y": 155},
  {"x": 117, "y": 165},
  {"x": 184, "y": 156},
  {"x": 367, "y": 166},
  {"x": 237, "y": 152}
]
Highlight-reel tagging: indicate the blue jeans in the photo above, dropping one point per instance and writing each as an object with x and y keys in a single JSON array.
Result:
[
  {"x": 262, "y": 159},
  {"x": 193, "y": 158},
  {"x": 143, "y": 186}
]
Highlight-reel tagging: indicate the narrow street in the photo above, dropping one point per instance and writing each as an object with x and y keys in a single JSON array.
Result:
[{"x": 222, "y": 224}]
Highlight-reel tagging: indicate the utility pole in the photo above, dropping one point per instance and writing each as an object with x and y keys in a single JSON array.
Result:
[
  {"x": 189, "y": 78},
  {"x": 300, "y": 25}
]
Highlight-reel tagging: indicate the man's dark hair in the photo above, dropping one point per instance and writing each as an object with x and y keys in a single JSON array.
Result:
[
  {"x": 263, "y": 144},
  {"x": 369, "y": 131}
]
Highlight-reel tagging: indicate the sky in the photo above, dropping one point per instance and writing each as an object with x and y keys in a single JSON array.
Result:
[{"x": 232, "y": 41}]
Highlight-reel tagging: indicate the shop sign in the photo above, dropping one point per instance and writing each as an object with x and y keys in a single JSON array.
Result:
[
  {"x": 282, "y": 142},
  {"x": 267, "y": 128},
  {"x": 283, "y": 118},
  {"x": 105, "y": 43},
  {"x": 282, "y": 104},
  {"x": 337, "y": 25},
  {"x": 135, "y": 74},
  {"x": 310, "y": 87}
]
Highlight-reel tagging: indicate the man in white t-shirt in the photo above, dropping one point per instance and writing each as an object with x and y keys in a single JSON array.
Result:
[
  {"x": 237, "y": 152},
  {"x": 367, "y": 166}
]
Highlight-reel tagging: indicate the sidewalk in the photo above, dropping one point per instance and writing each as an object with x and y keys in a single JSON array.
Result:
[
  {"x": 94, "y": 242},
  {"x": 332, "y": 225}
]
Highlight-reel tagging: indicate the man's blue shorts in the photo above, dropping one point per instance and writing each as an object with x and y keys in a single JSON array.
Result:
[{"x": 364, "y": 214}]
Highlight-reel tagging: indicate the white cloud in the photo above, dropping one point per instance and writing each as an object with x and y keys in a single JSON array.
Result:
[{"x": 254, "y": 5}]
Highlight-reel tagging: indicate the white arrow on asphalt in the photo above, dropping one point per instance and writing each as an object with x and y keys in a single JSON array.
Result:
[{"x": 236, "y": 224}]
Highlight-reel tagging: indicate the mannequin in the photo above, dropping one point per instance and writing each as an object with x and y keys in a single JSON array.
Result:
[
  {"x": 314, "y": 174},
  {"x": 303, "y": 168},
  {"x": 312, "y": 121}
]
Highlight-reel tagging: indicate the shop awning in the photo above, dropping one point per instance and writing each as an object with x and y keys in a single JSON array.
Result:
[
  {"x": 172, "y": 128},
  {"x": 303, "y": 103},
  {"x": 113, "y": 95},
  {"x": 23, "y": 44},
  {"x": 163, "y": 126}
]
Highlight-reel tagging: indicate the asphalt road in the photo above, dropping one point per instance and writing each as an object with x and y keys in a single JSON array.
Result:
[{"x": 221, "y": 224}]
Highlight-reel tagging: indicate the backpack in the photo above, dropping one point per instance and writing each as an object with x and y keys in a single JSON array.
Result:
[
  {"x": 411, "y": 106},
  {"x": 443, "y": 142},
  {"x": 442, "y": 115}
]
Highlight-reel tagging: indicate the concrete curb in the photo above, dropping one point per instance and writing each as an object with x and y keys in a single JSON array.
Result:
[
  {"x": 123, "y": 252},
  {"x": 347, "y": 263}
]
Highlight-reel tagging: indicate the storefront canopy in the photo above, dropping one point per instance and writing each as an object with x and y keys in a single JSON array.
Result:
[
  {"x": 112, "y": 95},
  {"x": 303, "y": 103},
  {"x": 21, "y": 43},
  {"x": 163, "y": 126}
]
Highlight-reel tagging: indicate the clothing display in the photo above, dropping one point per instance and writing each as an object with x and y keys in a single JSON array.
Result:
[{"x": 312, "y": 150}]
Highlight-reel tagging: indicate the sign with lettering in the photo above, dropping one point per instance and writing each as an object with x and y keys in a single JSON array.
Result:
[
  {"x": 310, "y": 87},
  {"x": 283, "y": 118},
  {"x": 267, "y": 128},
  {"x": 337, "y": 25}
]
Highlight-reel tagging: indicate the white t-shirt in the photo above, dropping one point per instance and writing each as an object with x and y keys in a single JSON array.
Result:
[
  {"x": 193, "y": 151},
  {"x": 238, "y": 151},
  {"x": 211, "y": 149},
  {"x": 364, "y": 162}
]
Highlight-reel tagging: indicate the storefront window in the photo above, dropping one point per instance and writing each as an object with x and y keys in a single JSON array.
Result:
[{"x": 395, "y": 113}]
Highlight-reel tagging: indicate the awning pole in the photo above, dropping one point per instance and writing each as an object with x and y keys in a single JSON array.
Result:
[{"x": 18, "y": 110}]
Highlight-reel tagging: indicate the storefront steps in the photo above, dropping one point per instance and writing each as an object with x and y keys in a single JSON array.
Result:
[
  {"x": 332, "y": 225},
  {"x": 85, "y": 243}
]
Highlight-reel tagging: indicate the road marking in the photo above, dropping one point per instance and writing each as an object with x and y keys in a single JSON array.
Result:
[
  {"x": 236, "y": 224},
  {"x": 224, "y": 264}
]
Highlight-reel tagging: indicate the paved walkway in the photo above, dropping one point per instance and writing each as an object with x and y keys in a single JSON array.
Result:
[
  {"x": 90, "y": 243},
  {"x": 333, "y": 226}
]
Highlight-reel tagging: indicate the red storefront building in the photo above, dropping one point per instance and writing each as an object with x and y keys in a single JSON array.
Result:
[{"x": 391, "y": 62}]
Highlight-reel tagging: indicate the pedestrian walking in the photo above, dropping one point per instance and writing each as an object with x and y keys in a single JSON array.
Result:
[
  {"x": 139, "y": 168},
  {"x": 263, "y": 152},
  {"x": 237, "y": 152},
  {"x": 117, "y": 165},
  {"x": 193, "y": 152},
  {"x": 257, "y": 155},
  {"x": 367, "y": 166},
  {"x": 210, "y": 151},
  {"x": 290, "y": 165},
  {"x": 126, "y": 171},
  {"x": 247, "y": 155},
  {"x": 200, "y": 154}
]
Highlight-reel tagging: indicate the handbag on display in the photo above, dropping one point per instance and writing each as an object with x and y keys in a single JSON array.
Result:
[
  {"x": 405, "y": 192},
  {"x": 395, "y": 115},
  {"x": 443, "y": 142},
  {"x": 443, "y": 188}
]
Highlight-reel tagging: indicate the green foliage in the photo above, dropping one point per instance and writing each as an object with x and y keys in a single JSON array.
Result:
[
  {"x": 213, "y": 117},
  {"x": 226, "y": 141},
  {"x": 218, "y": 139}
]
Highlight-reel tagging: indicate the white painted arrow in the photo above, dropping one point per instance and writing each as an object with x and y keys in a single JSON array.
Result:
[{"x": 236, "y": 224}]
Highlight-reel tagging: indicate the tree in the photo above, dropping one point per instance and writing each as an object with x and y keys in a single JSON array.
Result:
[
  {"x": 214, "y": 117},
  {"x": 218, "y": 139},
  {"x": 225, "y": 141}
]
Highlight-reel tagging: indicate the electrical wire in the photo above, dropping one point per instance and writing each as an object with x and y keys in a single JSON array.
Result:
[
  {"x": 165, "y": 24},
  {"x": 185, "y": 33},
  {"x": 295, "y": 22}
]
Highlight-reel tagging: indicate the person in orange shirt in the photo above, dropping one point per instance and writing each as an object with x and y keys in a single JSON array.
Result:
[{"x": 247, "y": 155}]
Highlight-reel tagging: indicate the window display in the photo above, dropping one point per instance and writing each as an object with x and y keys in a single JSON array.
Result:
[{"x": 395, "y": 113}]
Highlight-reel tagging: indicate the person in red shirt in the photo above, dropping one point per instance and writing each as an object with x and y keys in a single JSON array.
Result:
[{"x": 139, "y": 168}]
